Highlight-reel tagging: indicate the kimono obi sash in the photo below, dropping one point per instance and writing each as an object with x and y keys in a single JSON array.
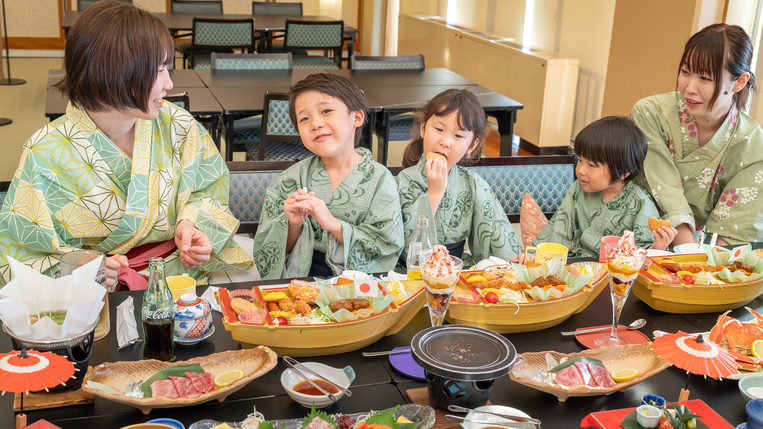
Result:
[
  {"x": 319, "y": 267},
  {"x": 137, "y": 259},
  {"x": 456, "y": 249}
]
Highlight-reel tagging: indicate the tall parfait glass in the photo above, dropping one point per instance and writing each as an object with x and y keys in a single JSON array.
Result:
[
  {"x": 440, "y": 272},
  {"x": 624, "y": 260}
]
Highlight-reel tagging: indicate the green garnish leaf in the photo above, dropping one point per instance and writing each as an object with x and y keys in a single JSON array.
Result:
[
  {"x": 572, "y": 361},
  {"x": 268, "y": 425},
  {"x": 383, "y": 418},
  {"x": 322, "y": 415}
]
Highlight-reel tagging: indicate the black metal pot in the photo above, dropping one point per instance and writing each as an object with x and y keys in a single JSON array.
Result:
[{"x": 461, "y": 363}]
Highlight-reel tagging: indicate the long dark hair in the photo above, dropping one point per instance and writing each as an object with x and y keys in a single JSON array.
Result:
[
  {"x": 716, "y": 47},
  {"x": 470, "y": 117}
]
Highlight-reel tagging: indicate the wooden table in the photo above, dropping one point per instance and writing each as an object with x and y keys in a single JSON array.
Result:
[{"x": 378, "y": 386}]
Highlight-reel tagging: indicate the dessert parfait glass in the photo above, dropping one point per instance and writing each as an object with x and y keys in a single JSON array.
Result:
[
  {"x": 623, "y": 268},
  {"x": 439, "y": 284}
]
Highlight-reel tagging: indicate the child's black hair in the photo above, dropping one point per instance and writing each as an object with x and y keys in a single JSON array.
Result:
[
  {"x": 616, "y": 142},
  {"x": 334, "y": 86}
]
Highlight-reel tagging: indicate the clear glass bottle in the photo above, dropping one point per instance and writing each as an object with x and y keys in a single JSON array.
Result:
[
  {"x": 158, "y": 315},
  {"x": 420, "y": 244}
]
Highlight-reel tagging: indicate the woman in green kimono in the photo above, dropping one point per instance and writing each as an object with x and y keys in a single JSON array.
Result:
[
  {"x": 122, "y": 169},
  {"x": 338, "y": 209},
  {"x": 704, "y": 166},
  {"x": 464, "y": 208}
]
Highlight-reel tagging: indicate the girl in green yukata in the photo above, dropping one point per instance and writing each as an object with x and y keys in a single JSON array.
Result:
[
  {"x": 704, "y": 166},
  {"x": 434, "y": 183},
  {"x": 604, "y": 200},
  {"x": 338, "y": 209}
]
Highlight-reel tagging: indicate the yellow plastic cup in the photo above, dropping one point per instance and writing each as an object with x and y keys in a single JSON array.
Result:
[
  {"x": 548, "y": 251},
  {"x": 181, "y": 285}
]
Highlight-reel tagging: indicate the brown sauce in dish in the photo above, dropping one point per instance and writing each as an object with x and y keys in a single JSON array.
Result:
[{"x": 306, "y": 388}]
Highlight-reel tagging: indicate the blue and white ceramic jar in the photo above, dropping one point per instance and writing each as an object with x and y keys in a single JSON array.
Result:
[{"x": 193, "y": 318}]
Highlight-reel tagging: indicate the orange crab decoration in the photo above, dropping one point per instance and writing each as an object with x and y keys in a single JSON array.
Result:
[{"x": 738, "y": 337}]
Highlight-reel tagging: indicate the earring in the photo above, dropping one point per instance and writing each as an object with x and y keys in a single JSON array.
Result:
[{"x": 725, "y": 93}]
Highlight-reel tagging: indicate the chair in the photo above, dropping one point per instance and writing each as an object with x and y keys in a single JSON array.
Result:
[
  {"x": 84, "y": 4},
  {"x": 277, "y": 128},
  {"x": 246, "y": 131},
  {"x": 324, "y": 35},
  {"x": 413, "y": 62},
  {"x": 193, "y": 7},
  {"x": 263, "y": 8},
  {"x": 219, "y": 34},
  {"x": 399, "y": 127}
]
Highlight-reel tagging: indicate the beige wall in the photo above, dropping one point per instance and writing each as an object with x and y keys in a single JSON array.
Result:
[{"x": 37, "y": 18}]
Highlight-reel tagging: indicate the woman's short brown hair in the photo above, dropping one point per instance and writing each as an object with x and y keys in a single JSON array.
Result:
[
  {"x": 717, "y": 47},
  {"x": 113, "y": 55}
]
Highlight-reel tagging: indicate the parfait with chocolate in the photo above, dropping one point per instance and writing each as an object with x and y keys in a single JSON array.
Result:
[
  {"x": 440, "y": 272},
  {"x": 624, "y": 260}
]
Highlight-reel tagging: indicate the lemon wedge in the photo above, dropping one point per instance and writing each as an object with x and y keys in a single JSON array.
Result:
[
  {"x": 622, "y": 375},
  {"x": 757, "y": 349},
  {"x": 228, "y": 377},
  {"x": 495, "y": 291},
  {"x": 476, "y": 279},
  {"x": 686, "y": 273}
]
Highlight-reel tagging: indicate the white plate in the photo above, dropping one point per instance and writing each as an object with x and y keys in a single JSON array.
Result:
[
  {"x": 692, "y": 248},
  {"x": 657, "y": 252},
  {"x": 476, "y": 415}
]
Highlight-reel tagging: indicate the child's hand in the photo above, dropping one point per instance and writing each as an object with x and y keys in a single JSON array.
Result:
[
  {"x": 663, "y": 237},
  {"x": 316, "y": 208},
  {"x": 520, "y": 259},
  {"x": 437, "y": 175},
  {"x": 296, "y": 215}
]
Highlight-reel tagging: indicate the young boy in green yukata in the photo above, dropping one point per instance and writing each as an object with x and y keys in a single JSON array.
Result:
[
  {"x": 338, "y": 209},
  {"x": 604, "y": 200}
]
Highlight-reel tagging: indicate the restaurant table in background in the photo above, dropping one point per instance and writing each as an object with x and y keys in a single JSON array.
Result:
[
  {"x": 202, "y": 101},
  {"x": 378, "y": 386},
  {"x": 263, "y": 24}
]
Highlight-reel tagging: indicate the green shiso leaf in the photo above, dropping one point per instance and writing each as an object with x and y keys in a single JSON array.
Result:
[
  {"x": 572, "y": 361},
  {"x": 383, "y": 418},
  {"x": 323, "y": 416}
]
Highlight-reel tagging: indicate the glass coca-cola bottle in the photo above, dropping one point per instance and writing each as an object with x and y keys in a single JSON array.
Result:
[{"x": 158, "y": 315}]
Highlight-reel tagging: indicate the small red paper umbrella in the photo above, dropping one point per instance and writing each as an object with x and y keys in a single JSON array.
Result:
[{"x": 695, "y": 355}]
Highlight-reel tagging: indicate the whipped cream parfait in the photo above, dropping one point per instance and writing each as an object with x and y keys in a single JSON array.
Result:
[
  {"x": 440, "y": 272},
  {"x": 624, "y": 260}
]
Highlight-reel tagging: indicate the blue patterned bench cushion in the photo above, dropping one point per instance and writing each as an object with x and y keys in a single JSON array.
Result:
[
  {"x": 546, "y": 183},
  {"x": 247, "y": 193},
  {"x": 2, "y": 198}
]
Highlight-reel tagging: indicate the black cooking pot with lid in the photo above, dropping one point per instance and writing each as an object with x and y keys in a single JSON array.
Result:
[{"x": 461, "y": 363}]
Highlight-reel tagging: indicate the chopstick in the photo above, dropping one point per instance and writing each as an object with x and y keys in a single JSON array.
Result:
[{"x": 292, "y": 363}]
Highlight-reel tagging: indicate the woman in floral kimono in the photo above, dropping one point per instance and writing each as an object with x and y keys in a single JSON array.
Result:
[
  {"x": 704, "y": 166},
  {"x": 122, "y": 170}
]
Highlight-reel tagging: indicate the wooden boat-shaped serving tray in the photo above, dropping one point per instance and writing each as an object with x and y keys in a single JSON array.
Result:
[{"x": 252, "y": 362}]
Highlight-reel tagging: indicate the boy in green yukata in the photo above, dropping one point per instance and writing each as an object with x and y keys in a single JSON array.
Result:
[
  {"x": 338, "y": 209},
  {"x": 604, "y": 200},
  {"x": 464, "y": 208}
]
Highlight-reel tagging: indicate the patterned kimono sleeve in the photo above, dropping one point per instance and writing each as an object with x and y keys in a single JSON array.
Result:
[
  {"x": 269, "y": 250},
  {"x": 203, "y": 195},
  {"x": 738, "y": 215},
  {"x": 563, "y": 225},
  {"x": 662, "y": 176},
  {"x": 491, "y": 232},
  {"x": 375, "y": 244},
  {"x": 414, "y": 202}
]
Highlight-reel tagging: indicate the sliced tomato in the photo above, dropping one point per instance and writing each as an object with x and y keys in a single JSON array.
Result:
[
  {"x": 280, "y": 321},
  {"x": 491, "y": 297},
  {"x": 688, "y": 279}
]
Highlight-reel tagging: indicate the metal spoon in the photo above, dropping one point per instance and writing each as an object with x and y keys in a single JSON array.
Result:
[
  {"x": 458, "y": 409},
  {"x": 637, "y": 324}
]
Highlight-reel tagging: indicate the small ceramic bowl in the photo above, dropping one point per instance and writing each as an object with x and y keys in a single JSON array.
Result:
[
  {"x": 751, "y": 387},
  {"x": 289, "y": 379},
  {"x": 169, "y": 422},
  {"x": 193, "y": 318},
  {"x": 648, "y": 416},
  {"x": 658, "y": 400}
]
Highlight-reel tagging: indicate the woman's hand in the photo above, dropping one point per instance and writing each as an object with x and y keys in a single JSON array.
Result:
[
  {"x": 437, "y": 177},
  {"x": 294, "y": 214},
  {"x": 316, "y": 208},
  {"x": 113, "y": 264},
  {"x": 195, "y": 247},
  {"x": 519, "y": 259},
  {"x": 663, "y": 236}
]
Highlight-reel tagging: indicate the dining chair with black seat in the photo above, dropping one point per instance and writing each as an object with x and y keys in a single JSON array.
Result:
[
  {"x": 84, "y": 4},
  {"x": 246, "y": 131},
  {"x": 209, "y": 7},
  {"x": 280, "y": 140},
  {"x": 215, "y": 35},
  {"x": 399, "y": 127},
  {"x": 322, "y": 35},
  {"x": 283, "y": 9}
]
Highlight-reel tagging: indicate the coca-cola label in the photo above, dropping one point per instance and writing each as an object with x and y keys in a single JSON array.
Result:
[{"x": 159, "y": 313}]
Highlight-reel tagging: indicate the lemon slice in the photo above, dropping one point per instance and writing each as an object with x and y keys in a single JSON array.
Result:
[
  {"x": 476, "y": 279},
  {"x": 622, "y": 375},
  {"x": 228, "y": 377},
  {"x": 757, "y": 349}
]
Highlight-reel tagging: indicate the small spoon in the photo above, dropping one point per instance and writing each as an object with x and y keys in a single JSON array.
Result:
[{"x": 637, "y": 324}]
